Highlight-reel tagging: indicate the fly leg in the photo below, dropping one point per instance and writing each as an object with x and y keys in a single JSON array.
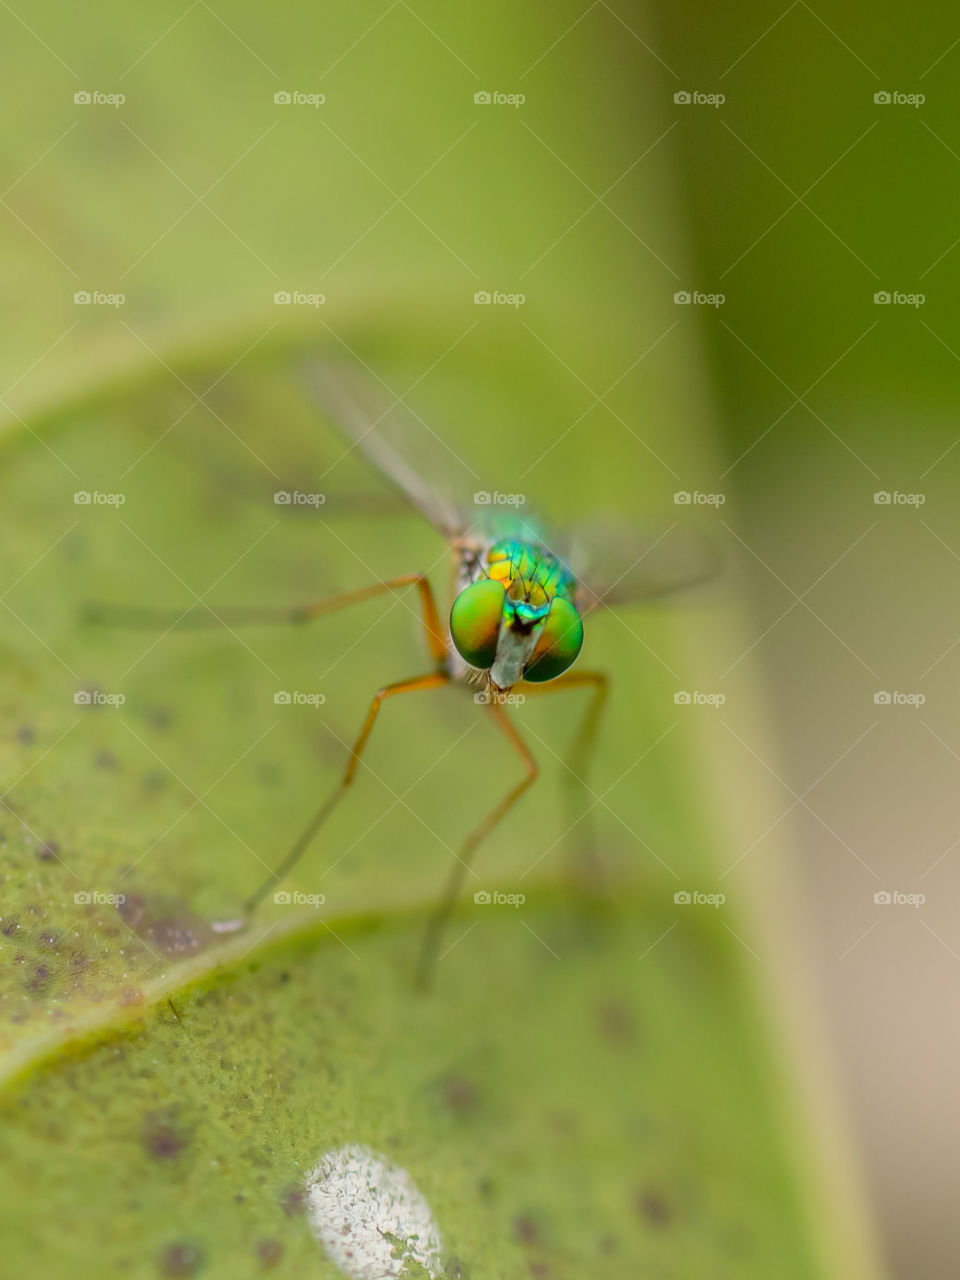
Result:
[{"x": 433, "y": 933}]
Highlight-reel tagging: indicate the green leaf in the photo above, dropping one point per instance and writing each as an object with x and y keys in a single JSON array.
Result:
[{"x": 594, "y": 1086}]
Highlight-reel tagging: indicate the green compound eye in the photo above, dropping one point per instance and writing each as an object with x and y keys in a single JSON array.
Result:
[
  {"x": 560, "y": 642},
  {"x": 475, "y": 622}
]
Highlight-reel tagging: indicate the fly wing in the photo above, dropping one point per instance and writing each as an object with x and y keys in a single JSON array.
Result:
[
  {"x": 414, "y": 458},
  {"x": 615, "y": 563}
]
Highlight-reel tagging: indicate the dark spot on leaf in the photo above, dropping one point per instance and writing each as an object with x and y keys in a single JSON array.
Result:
[
  {"x": 166, "y": 924},
  {"x": 154, "y": 781},
  {"x": 617, "y": 1023},
  {"x": 269, "y": 1253},
  {"x": 162, "y": 1138},
  {"x": 41, "y": 975},
  {"x": 458, "y": 1093},
  {"x": 25, "y": 735},
  {"x": 654, "y": 1208},
  {"x": 525, "y": 1229},
  {"x": 608, "y": 1244},
  {"x": 180, "y": 1259},
  {"x": 48, "y": 851},
  {"x": 159, "y": 717},
  {"x": 132, "y": 909},
  {"x": 541, "y": 1270},
  {"x": 10, "y": 927},
  {"x": 292, "y": 1200},
  {"x": 105, "y": 760}
]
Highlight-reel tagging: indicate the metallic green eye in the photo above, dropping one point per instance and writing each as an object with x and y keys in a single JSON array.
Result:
[
  {"x": 560, "y": 642},
  {"x": 475, "y": 622}
]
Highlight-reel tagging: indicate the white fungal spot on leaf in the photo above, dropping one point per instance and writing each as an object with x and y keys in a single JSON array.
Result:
[{"x": 369, "y": 1216}]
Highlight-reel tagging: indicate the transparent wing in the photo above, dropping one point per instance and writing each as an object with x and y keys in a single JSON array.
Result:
[
  {"x": 415, "y": 458},
  {"x": 617, "y": 563}
]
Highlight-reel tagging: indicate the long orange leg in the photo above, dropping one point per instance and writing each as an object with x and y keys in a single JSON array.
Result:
[
  {"x": 580, "y": 757},
  {"x": 438, "y": 920},
  {"x": 247, "y": 615},
  {"x": 431, "y": 681},
  {"x": 256, "y": 615}
]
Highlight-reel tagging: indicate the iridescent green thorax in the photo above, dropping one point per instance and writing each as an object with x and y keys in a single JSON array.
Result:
[
  {"x": 514, "y": 613},
  {"x": 532, "y": 578}
]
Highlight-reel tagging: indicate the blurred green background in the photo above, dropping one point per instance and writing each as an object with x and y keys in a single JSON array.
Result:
[
  {"x": 605, "y": 200},
  {"x": 806, "y": 198}
]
